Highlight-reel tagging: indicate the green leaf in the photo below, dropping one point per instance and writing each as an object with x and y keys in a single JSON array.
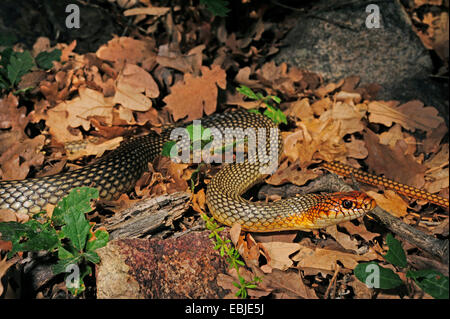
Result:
[
  {"x": 395, "y": 255},
  {"x": 44, "y": 59},
  {"x": 76, "y": 229},
  {"x": 432, "y": 282},
  {"x": 167, "y": 147},
  {"x": 78, "y": 200},
  {"x": 92, "y": 256},
  {"x": 29, "y": 236},
  {"x": 62, "y": 264},
  {"x": 101, "y": 239},
  {"x": 375, "y": 276},
  {"x": 217, "y": 7},
  {"x": 20, "y": 63},
  {"x": 247, "y": 92},
  {"x": 5, "y": 56},
  {"x": 64, "y": 253},
  {"x": 275, "y": 115}
]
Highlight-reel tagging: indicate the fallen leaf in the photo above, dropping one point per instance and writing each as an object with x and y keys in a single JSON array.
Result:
[
  {"x": 4, "y": 266},
  {"x": 154, "y": 11},
  {"x": 326, "y": 259},
  {"x": 134, "y": 88},
  {"x": 196, "y": 95},
  {"x": 393, "y": 163},
  {"x": 128, "y": 50},
  {"x": 411, "y": 115},
  {"x": 390, "y": 202},
  {"x": 279, "y": 253},
  {"x": 343, "y": 239},
  {"x": 95, "y": 149}
]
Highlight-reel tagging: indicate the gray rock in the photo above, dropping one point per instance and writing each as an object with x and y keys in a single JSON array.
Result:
[{"x": 336, "y": 44}]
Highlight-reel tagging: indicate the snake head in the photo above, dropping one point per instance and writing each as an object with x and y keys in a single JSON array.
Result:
[{"x": 339, "y": 207}]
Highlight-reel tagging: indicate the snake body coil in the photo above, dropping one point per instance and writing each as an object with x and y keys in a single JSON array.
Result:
[{"x": 118, "y": 171}]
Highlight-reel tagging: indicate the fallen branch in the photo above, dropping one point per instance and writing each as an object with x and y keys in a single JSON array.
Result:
[{"x": 147, "y": 216}]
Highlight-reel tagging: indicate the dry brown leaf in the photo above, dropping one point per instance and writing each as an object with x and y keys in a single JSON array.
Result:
[
  {"x": 411, "y": 115},
  {"x": 188, "y": 63},
  {"x": 288, "y": 284},
  {"x": 395, "y": 134},
  {"x": 359, "y": 230},
  {"x": 321, "y": 106},
  {"x": 154, "y": 11},
  {"x": 96, "y": 149},
  {"x": 437, "y": 180},
  {"x": 238, "y": 99},
  {"x": 76, "y": 112},
  {"x": 12, "y": 117},
  {"x": 361, "y": 290},
  {"x": 4, "y": 266},
  {"x": 196, "y": 95},
  {"x": 20, "y": 155},
  {"x": 279, "y": 253},
  {"x": 125, "y": 49},
  {"x": 292, "y": 173},
  {"x": 198, "y": 201},
  {"x": 134, "y": 88},
  {"x": 356, "y": 148},
  {"x": 326, "y": 259},
  {"x": 343, "y": 239},
  {"x": 243, "y": 77},
  {"x": 300, "y": 110},
  {"x": 390, "y": 202},
  {"x": 347, "y": 116},
  {"x": 434, "y": 137},
  {"x": 393, "y": 163}
]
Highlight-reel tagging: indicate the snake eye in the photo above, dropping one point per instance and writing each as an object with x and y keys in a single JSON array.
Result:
[{"x": 347, "y": 204}]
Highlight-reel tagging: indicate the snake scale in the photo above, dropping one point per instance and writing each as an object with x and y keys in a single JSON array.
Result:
[{"x": 118, "y": 171}]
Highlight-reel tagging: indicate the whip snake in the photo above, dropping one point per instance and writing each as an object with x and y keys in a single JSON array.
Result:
[{"x": 118, "y": 171}]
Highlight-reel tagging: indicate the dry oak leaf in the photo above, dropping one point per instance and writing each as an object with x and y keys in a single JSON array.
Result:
[
  {"x": 12, "y": 117},
  {"x": 356, "y": 148},
  {"x": 278, "y": 254},
  {"x": 4, "y": 265},
  {"x": 189, "y": 63},
  {"x": 359, "y": 230},
  {"x": 128, "y": 50},
  {"x": 392, "y": 162},
  {"x": 134, "y": 88},
  {"x": 76, "y": 112},
  {"x": 390, "y": 202},
  {"x": 153, "y": 11},
  {"x": 299, "y": 110},
  {"x": 395, "y": 134},
  {"x": 325, "y": 259},
  {"x": 196, "y": 95},
  {"x": 96, "y": 149},
  {"x": 432, "y": 142},
  {"x": 20, "y": 155},
  {"x": 286, "y": 284},
  {"x": 343, "y": 239},
  {"x": 411, "y": 115},
  {"x": 348, "y": 116}
]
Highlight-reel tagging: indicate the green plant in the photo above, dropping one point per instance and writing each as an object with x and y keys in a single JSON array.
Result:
[
  {"x": 225, "y": 247},
  {"x": 271, "y": 112},
  {"x": 14, "y": 65},
  {"x": 67, "y": 233},
  {"x": 376, "y": 276}
]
